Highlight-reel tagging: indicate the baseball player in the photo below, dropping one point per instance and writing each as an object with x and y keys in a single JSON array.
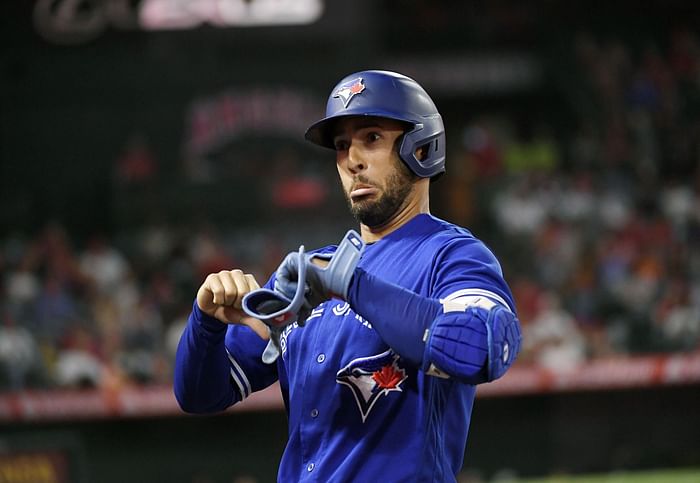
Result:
[{"x": 377, "y": 343}]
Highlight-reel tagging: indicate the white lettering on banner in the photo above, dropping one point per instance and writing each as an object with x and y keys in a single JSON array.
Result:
[
  {"x": 80, "y": 21},
  {"x": 184, "y": 14},
  {"x": 681, "y": 367},
  {"x": 62, "y": 404}
]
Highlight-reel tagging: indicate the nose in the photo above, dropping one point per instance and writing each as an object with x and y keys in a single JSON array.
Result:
[{"x": 356, "y": 162}]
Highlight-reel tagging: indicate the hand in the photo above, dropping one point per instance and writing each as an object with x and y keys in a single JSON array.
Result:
[
  {"x": 221, "y": 294},
  {"x": 327, "y": 275}
]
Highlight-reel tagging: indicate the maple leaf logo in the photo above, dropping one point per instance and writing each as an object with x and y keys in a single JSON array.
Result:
[{"x": 389, "y": 377}]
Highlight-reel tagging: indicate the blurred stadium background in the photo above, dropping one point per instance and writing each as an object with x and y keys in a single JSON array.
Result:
[{"x": 146, "y": 143}]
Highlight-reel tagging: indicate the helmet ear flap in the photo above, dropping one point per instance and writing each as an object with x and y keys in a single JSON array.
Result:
[{"x": 430, "y": 146}]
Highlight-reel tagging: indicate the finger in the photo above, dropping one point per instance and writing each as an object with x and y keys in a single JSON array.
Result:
[
  {"x": 258, "y": 327},
  {"x": 235, "y": 316},
  {"x": 205, "y": 297},
  {"x": 230, "y": 288},
  {"x": 287, "y": 271},
  {"x": 241, "y": 282},
  {"x": 231, "y": 315},
  {"x": 217, "y": 289},
  {"x": 252, "y": 283},
  {"x": 286, "y": 287},
  {"x": 320, "y": 262}
]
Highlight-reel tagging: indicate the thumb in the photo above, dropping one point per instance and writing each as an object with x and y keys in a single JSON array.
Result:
[
  {"x": 258, "y": 327},
  {"x": 231, "y": 315},
  {"x": 287, "y": 274}
]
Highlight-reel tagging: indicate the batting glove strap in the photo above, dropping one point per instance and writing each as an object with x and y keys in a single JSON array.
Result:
[{"x": 336, "y": 277}]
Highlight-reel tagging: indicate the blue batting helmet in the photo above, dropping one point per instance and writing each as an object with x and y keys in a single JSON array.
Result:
[{"x": 393, "y": 96}]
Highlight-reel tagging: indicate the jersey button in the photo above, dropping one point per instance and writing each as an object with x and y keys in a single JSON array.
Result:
[
  {"x": 321, "y": 358},
  {"x": 314, "y": 413},
  {"x": 310, "y": 467}
]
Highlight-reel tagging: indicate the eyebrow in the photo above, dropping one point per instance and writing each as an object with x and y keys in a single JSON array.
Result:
[{"x": 361, "y": 124}]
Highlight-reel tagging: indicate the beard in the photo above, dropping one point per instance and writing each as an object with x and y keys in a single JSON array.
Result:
[{"x": 396, "y": 190}]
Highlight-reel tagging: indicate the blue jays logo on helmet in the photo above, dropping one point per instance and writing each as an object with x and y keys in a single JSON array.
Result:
[
  {"x": 369, "y": 378},
  {"x": 349, "y": 90}
]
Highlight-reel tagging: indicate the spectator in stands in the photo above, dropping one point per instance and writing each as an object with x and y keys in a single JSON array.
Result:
[
  {"x": 552, "y": 339},
  {"x": 103, "y": 264},
  {"x": 20, "y": 361},
  {"x": 78, "y": 363}
]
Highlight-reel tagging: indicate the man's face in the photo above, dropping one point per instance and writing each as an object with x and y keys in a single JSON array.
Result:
[{"x": 376, "y": 183}]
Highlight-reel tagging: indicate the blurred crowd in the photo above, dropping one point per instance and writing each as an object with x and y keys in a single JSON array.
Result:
[
  {"x": 597, "y": 228},
  {"x": 109, "y": 311}
]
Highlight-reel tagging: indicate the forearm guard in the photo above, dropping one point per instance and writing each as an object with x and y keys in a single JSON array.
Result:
[{"x": 473, "y": 344}]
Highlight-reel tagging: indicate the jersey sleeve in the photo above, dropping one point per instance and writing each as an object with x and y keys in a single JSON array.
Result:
[
  {"x": 218, "y": 365},
  {"x": 248, "y": 373},
  {"x": 465, "y": 276},
  {"x": 466, "y": 270}
]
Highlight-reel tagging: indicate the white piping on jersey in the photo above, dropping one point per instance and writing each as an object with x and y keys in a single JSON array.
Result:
[
  {"x": 238, "y": 383},
  {"x": 242, "y": 374},
  {"x": 463, "y": 296}
]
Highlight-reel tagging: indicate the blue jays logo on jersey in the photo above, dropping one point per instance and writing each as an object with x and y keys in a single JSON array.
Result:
[
  {"x": 369, "y": 378},
  {"x": 349, "y": 90}
]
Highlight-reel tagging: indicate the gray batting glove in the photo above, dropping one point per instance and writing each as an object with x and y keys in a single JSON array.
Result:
[{"x": 327, "y": 275}]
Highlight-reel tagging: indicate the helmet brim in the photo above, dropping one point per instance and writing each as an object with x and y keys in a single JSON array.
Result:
[{"x": 321, "y": 132}]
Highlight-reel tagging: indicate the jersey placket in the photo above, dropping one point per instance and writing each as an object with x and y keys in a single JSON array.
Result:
[{"x": 312, "y": 397}]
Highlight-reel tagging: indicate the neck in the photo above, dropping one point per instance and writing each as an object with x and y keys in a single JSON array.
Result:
[{"x": 416, "y": 203}]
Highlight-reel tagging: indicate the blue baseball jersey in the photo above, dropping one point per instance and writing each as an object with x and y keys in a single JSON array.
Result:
[{"x": 357, "y": 410}]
